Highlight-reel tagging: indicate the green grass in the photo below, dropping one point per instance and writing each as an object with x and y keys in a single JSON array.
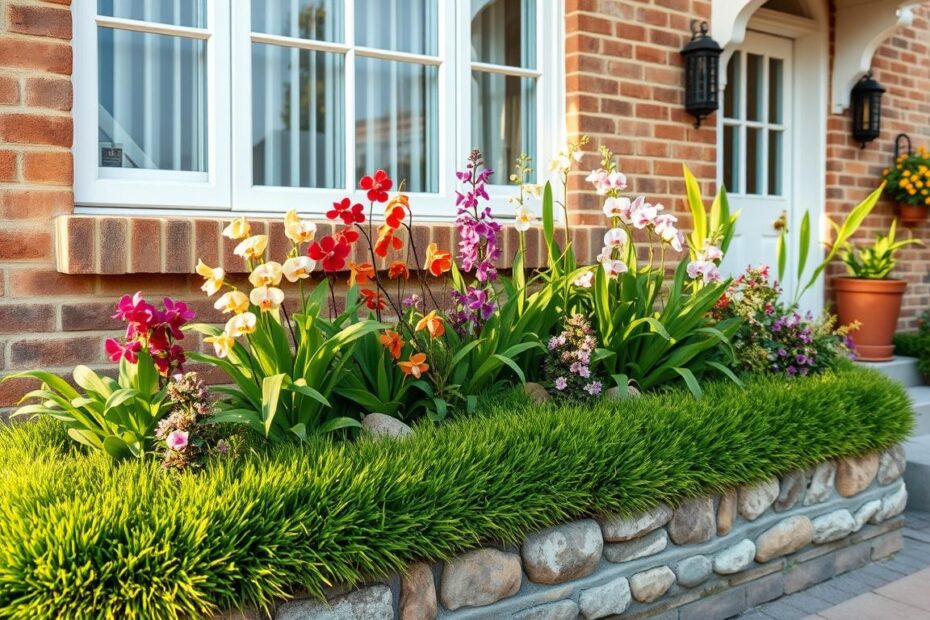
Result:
[{"x": 84, "y": 538}]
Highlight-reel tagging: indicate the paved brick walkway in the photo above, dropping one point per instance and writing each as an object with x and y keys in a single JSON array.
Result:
[{"x": 897, "y": 588}]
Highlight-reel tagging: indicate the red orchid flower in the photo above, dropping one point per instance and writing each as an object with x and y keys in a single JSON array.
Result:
[
  {"x": 116, "y": 350},
  {"x": 387, "y": 240},
  {"x": 373, "y": 299},
  {"x": 398, "y": 269},
  {"x": 331, "y": 251},
  {"x": 349, "y": 235},
  {"x": 348, "y": 212},
  {"x": 396, "y": 211},
  {"x": 377, "y": 186}
]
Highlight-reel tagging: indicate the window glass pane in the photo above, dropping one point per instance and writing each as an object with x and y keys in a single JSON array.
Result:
[
  {"x": 398, "y": 25},
  {"x": 775, "y": 162},
  {"x": 754, "y": 160},
  {"x": 754, "y": 86},
  {"x": 153, "y": 101},
  {"x": 731, "y": 96},
  {"x": 503, "y": 119},
  {"x": 731, "y": 158},
  {"x": 189, "y": 13},
  {"x": 503, "y": 32},
  {"x": 397, "y": 117},
  {"x": 298, "y": 123},
  {"x": 320, "y": 20},
  {"x": 775, "y": 90}
]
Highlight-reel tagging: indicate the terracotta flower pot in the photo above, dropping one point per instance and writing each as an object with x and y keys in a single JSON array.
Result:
[
  {"x": 911, "y": 215},
  {"x": 875, "y": 304}
]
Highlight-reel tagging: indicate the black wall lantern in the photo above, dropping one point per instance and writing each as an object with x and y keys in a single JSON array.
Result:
[
  {"x": 866, "y": 105},
  {"x": 702, "y": 70}
]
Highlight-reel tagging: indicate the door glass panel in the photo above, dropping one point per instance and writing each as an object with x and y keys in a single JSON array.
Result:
[
  {"x": 754, "y": 160},
  {"x": 731, "y": 158},
  {"x": 731, "y": 96},
  {"x": 775, "y": 90},
  {"x": 152, "y": 91},
  {"x": 319, "y": 20},
  {"x": 754, "y": 86},
  {"x": 775, "y": 162},
  {"x": 396, "y": 120},
  {"x": 503, "y": 32},
  {"x": 298, "y": 125},
  {"x": 399, "y": 25}
]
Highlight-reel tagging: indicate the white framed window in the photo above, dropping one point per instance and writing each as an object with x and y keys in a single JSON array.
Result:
[{"x": 265, "y": 105}]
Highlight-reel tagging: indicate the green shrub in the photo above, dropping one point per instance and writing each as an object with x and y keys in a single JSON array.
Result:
[
  {"x": 916, "y": 344},
  {"x": 82, "y": 538}
]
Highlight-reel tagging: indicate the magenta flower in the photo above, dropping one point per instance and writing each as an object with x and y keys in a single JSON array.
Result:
[
  {"x": 176, "y": 314},
  {"x": 117, "y": 351},
  {"x": 561, "y": 383},
  {"x": 177, "y": 440}
]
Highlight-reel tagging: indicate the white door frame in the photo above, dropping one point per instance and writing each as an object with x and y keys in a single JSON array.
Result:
[{"x": 809, "y": 107}]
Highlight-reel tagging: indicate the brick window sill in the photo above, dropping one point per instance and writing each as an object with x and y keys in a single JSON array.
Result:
[{"x": 103, "y": 244}]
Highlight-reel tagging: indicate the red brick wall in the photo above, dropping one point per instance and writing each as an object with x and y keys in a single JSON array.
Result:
[{"x": 902, "y": 65}]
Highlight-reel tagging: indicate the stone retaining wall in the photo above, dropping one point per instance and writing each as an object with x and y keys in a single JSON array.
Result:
[{"x": 712, "y": 557}]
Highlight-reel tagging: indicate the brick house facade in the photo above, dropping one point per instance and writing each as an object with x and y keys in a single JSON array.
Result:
[{"x": 61, "y": 270}]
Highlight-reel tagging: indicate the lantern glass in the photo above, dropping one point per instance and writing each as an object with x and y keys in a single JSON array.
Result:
[
  {"x": 866, "y": 109},
  {"x": 702, "y": 58}
]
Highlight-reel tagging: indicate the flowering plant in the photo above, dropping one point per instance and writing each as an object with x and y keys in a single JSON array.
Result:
[
  {"x": 188, "y": 436},
  {"x": 777, "y": 338},
  {"x": 875, "y": 262},
  {"x": 119, "y": 415},
  {"x": 568, "y": 363},
  {"x": 908, "y": 182}
]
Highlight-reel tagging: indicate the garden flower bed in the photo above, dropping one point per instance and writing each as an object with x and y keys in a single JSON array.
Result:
[{"x": 85, "y": 538}]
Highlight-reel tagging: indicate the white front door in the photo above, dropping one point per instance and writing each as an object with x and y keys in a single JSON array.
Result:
[{"x": 755, "y": 149}]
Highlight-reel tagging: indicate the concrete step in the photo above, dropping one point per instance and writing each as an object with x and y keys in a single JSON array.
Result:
[
  {"x": 917, "y": 474},
  {"x": 901, "y": 369},
  {"x": 920, "y": 401}
]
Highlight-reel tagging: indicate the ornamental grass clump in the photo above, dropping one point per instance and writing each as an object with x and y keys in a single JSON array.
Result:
[{"x": 775, "y": 337}]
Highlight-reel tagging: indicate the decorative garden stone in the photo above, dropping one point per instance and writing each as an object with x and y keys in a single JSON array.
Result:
[
  {"x": 380, "y": 425},
  {"x": 693, "y": 522},
  {"x": 855, "y": 474},
  {"x": 787, "y": 536},
  {"x": 793, "y": 486},
  {"x": 892, "y": 505},
  {"x": 735, "y": 559},
  {"x": 563, "y": 553},
  {"x": 418, "y": 593},
  {"x": 374, "y": 602},
  {"x": 694, "y": 571},
  {"x": 562, "y": 610},
  {"x": 821, "y": 483},
  {"x": 614, "y": 393},
  {"x": 480, "y": 577},
  {"x": 755, "y": 500},
  {"x": 891, "y": 464},
  {"x": 620, "y": 529},
  {"x": 866, "y": 512},
  {"x": 833, "y": 526},
  {"x": 612, "y": 598},
  {"x": 726, "y": 512},
  {"x": 650, "y": 544},
  {"x": 537, "y": 393},
  {"x": 649, "y": 585}
]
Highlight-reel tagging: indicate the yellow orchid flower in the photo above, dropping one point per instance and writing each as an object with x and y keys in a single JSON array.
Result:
[
  {"x": 298, "y": 268},
  {"x": 233, "y": 301},
  {"x": 213, "y": 278},
  {"x": 241, "y": 324},
  {"x": 222, "y": 344},
  {"x": 268, "y": 298},
  {"x": 237, "y": 229},
  {"x": 267, "y": 274},
  {"x": 298, "y": 230},
  {"x": 252, "y": 247}
]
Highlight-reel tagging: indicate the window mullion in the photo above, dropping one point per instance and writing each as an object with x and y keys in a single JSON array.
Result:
[{"x": 349, "y": 69}]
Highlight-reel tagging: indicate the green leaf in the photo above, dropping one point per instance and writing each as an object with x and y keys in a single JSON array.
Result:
[
  {"x": 119, "y": 397},
  {"x": 90, "y": 381},
  {"x": 513, "y": 365},
  {"x": 85, "y": 437},
  {"x": 782, "y": 253},
  {"x": 725, "y": 371},
  {"x": 300, "y": 387},
  {"x": 116, "y": 447},
  {"x": 698, "y": 215},
  {"x": 804, "y": 242},
  {"x": 339, "y": 423},
  {"x": 271, "y": 391},
  {"x": 690, "y": 381}
]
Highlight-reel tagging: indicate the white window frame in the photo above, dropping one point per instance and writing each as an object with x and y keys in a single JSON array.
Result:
[
  {"x": 227, "y": 186},
  {"x": 128, "y": 187}
]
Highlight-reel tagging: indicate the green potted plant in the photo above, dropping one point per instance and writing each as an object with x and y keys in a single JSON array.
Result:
[
  {"x": 869, "y": 297},
  {"x": 908, "y": 184}
]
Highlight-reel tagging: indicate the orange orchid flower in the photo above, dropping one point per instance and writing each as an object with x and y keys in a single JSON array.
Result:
[
  {"x": 398, "y": 269},
  {"x": 362, "y": 274},
  {"x": 392, "y": 341},
  {"x": 437, "y": 261},
  {"x": 387, "y": 240},
  {"x": 373, "y": 299},
  {"x": 433, "y": 324},
  {"x": 396, "y": 211},
  {"x": 415, "y": 366}
]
